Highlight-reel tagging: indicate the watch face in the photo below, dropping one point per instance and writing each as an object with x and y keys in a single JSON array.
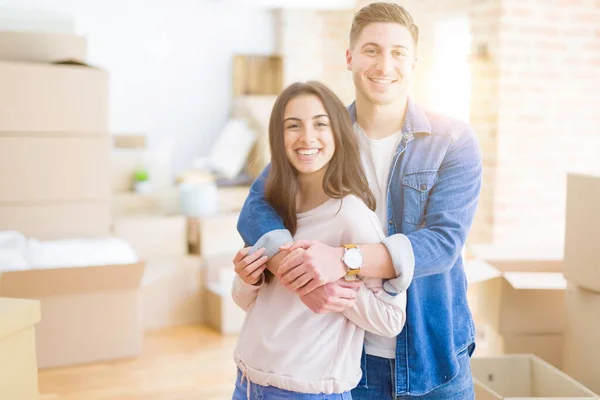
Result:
[{"x": 353, "y": 258}]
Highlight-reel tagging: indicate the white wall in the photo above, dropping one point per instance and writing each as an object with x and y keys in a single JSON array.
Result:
[{"x": 169, "y": 62}]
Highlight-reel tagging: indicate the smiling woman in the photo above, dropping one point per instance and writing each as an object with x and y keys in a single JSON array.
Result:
[
  {"x": 306, "y": 134},
  {"x": 317, "y": 184}
]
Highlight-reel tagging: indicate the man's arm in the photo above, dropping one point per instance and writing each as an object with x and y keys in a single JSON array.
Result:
[
  {"x": 260, "y": 226},
  {"x": 432, "y": 249}
]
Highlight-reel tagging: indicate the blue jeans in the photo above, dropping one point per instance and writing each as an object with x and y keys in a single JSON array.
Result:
[
  {"x": 381, "y": 382},
  {"x": 258, "y": 392}
]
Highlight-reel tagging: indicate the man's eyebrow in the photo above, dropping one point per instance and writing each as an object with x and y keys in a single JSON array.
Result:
[{"x": 376, "y": 45}]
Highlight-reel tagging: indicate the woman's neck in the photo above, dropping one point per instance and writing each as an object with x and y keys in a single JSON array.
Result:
[{"x": 310, "y": 191}]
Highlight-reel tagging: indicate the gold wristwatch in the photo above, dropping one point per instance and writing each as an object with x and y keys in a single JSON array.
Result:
[{"x": 353, "y": 259}]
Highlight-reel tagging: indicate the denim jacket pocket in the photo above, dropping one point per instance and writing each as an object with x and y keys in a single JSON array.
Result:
[{"x": 415, "y": 187}]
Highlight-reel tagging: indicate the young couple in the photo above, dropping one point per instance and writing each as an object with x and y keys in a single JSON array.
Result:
[{"x": 354, "y": 285}]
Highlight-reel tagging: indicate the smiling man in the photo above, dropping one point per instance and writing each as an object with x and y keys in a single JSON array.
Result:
[{"x": 425, "y": 172}]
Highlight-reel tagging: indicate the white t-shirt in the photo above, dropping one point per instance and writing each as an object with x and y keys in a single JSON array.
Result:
[
  {"x": 284, "y": 344},
  {"x": 377, "y": 156}
]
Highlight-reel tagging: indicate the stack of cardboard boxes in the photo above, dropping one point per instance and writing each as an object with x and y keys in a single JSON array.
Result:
[
  {"x": 54, "y": 142},
  {"x": 54, "y": 184},
  {"x": 546, "y": 305},
  {"x": 520, "y": 303},
  {"x": 582, "y": 271}
]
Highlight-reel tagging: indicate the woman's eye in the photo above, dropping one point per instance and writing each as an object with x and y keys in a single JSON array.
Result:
[
  {"x": 294, "y": 126},
  {"x": 321, "y": 124}
]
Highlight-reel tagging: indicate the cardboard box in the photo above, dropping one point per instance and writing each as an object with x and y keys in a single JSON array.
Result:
[
  {"x": 153, "y": 235},
  {"x": 18, "y": 366},
  {"x": 581, "y": 352},
  {"x": 220, "y": 311},
  {"x": 131, "y": 204},
  {"x": 582, "y": 253},
  {"x": 502, "y": 294},
  {"x": 548, "y": 347},
  {"x": 57, "y": 221},
  {"x": 172, "y": 292},
  {"x": 54, "y": 169},
  {"x": 38, "y": 97},
  {"x": 41, "y": 47},
  {"x": 523, "y": 377},
  {"x": 214, "y": 235},
  {"x": 129, "y": 141},
  {"x": 88, "y": 313}
]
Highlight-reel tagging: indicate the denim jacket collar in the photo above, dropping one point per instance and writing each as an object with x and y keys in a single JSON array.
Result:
[{"x": 415, "y": 120}]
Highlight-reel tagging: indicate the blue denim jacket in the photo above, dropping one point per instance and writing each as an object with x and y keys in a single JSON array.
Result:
[{"x": 434, "y": 186}]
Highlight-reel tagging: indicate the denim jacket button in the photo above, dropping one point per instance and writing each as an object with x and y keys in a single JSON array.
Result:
[
  {"x": 391, "y": 222},
  {"x": 423, "y": 187}
]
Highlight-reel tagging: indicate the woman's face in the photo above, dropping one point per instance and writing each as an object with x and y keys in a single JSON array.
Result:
[{"x": 308, "y": 138}]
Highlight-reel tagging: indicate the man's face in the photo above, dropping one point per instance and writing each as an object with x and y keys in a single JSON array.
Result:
[{"x": 382, "y": 62}]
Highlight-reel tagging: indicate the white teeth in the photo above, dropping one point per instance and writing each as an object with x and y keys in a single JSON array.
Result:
[
  {"x": 382, "y": 81},
  {"x": 310, "y": 152}
]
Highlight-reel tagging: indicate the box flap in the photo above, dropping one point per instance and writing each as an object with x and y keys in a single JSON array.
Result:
[
  {"x": 508, "y": 376},
  {"x": 38, "y": 283},
  {"x": 536, "y": 280},
  {"x": 16, "y": 314},
  {"x": 525, "y": 376},
  {"x": 549, "y": 381}
]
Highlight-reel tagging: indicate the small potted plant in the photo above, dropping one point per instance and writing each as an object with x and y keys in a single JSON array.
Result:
[{"x": 141, "y": 179}]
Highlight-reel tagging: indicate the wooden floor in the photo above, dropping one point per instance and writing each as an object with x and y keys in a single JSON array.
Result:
[{"x": 189, "y": 363}]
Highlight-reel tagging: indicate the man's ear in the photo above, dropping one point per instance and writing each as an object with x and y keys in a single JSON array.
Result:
[{"x": 348, "y": 60}]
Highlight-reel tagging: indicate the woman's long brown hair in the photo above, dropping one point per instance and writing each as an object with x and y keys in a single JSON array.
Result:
[{"x": 344, "y": 174}]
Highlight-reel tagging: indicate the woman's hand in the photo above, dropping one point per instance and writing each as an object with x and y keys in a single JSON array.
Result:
[{"x": 250, "y": 268}]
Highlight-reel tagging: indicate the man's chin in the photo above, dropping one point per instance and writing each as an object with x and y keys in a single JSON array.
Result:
[{"x": 383, "y": 100}]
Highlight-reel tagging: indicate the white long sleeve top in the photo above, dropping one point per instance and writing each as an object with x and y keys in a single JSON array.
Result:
[{"x": 284, "y": 344}]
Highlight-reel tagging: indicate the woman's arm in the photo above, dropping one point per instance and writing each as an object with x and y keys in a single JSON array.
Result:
[
  {"x": 377, "y": 311},
  {"x": 243, "y": 293},
  {"x": 249, "y": 276}
]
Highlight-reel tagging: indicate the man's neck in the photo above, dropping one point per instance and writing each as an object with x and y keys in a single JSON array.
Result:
[{"x": 380, "y": 121}]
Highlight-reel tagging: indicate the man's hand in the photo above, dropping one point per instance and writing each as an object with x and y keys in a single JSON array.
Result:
[
  {"x": 310, "y": 265},
  {"x": 332, "y": 297},
  {"x": 250, "y": 267}
]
